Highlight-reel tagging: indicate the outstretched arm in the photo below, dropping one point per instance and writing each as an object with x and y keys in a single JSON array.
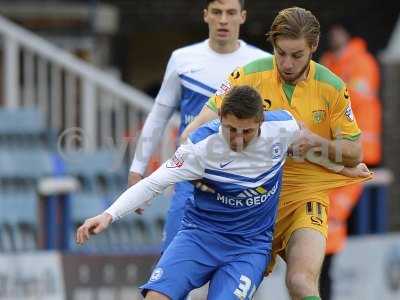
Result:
[{"x": 183, "y": 166}]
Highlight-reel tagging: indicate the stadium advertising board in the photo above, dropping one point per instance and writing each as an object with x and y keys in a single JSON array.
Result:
[
  {"x": 94, "y": 277},
  {"x": 369, "y": 268},
  {"x": 31, "y": 276}
]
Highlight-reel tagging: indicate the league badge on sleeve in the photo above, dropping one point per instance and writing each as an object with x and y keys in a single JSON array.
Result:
[
  {"x": 156, "y": 275},
  {"x": 224, "y": 88},
  {"x": 176, "y": 161},
  {"x": 349, "y": 114}
]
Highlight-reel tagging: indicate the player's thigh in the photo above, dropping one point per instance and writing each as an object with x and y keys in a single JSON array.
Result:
[
  {"x": 183, "y": 267},
  {"x": 302, "y": 214},
  {"x": 305, "y": 252},
  {"x": 238, "y": 279},
  {"x": 306, "y": 215}
]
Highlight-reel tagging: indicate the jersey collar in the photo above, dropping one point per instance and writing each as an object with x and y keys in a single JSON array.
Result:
[{"x": 242, "y": 44}]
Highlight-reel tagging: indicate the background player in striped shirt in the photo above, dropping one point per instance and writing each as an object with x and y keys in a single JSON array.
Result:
[{"x": 193, "y": 74}]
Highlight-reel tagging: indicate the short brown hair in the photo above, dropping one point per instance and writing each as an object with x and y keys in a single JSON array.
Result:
[
  {"x": 244, "y": 102},
  {"x": 294, "y": 23},
  {"x": 208, "y": 2}
]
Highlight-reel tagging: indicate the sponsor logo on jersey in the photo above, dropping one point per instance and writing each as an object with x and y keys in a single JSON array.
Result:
[
  {"x": 316, "y": 220},
  {"x": 188, "y": 119},
  {"x": 223, "y": 165},
  {"x": 319, "y": 116},
  {"x": 346, "y": 93},
  {"x": 249, "y": 197},
  {"x": 349, "y": 114},
  {"x": 235, "y": 74},
  {"x": 156, "y": 275},
  {"x": 176, "y": 161}
]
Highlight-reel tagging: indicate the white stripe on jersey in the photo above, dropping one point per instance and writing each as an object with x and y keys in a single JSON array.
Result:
[
  {"x": 224, "y": 179},
  {"x": 196, "y": 88}
]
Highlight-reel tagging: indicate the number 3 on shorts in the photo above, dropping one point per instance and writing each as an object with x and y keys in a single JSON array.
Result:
[{"x": 243, "y": 288}]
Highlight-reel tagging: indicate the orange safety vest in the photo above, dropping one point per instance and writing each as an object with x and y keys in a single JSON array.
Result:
[{"x": 360, "y": 71}]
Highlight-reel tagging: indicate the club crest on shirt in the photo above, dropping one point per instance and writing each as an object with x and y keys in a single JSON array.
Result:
[
  {"x": 224, "y": 88},
  {"x": 319, "y": 116},
  {"x": 349, "y": 114},
  {"x": 276, "y": 150},
  {"x": 176, "y": 161}
]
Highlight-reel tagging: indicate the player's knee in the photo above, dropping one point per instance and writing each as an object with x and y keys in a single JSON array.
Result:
[{"x": 301, "y": 283}]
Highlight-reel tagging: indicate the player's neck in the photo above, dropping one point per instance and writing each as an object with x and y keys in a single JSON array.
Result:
[{"x": 223, "y": 48}]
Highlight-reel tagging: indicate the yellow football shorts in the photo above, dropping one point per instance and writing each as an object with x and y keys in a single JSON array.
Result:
[{"x": 301, "y": 214}]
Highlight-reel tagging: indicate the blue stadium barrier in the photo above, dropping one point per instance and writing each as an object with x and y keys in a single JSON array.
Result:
[{"x": 25, "y": 121}]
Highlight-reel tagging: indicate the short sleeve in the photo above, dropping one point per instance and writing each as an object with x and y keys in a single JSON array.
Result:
[{"x": 343, "y": 123}]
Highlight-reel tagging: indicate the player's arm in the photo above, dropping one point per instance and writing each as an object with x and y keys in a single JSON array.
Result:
[
  {"x": 317, "y": 156},
  {"x": 341, "y": 150},
  {"x": 345, "y": 147},
  {"x": 205, "y": 115},
  {"x": 155, "y": 124},
  {"x": 210, "y": 110},
  {"x": 184, "y": 165}
]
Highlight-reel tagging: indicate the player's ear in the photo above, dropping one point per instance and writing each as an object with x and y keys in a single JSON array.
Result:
[
  {"x": 205, "y": 15},
  {"x": 314, "y": 47},
  {"x": 243, "y": 16}
]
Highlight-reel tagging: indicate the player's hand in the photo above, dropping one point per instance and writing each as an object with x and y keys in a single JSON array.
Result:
[
  {"x": 202, "y": 186},
  {"x": 134, "y": 178},
  {"x": 92, "y": 226},
  {"x": 304, "y": 142},
  {"x": 361, "y": 170}
]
